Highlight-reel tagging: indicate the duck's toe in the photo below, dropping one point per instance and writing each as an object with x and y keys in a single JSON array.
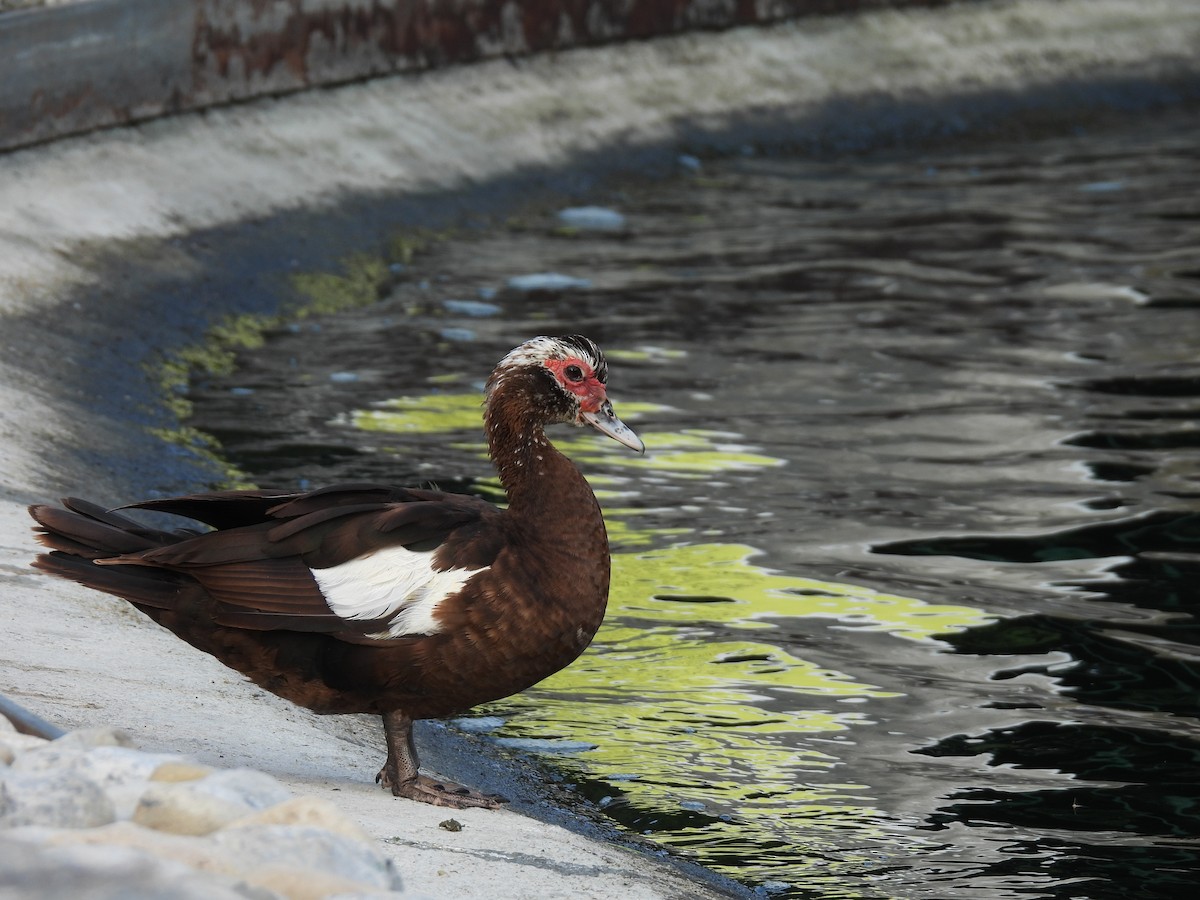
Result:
[{"x": 439, "y": 792}]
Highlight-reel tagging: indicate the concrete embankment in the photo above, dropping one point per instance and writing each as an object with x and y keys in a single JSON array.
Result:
[{"x": 121, "y": 244}]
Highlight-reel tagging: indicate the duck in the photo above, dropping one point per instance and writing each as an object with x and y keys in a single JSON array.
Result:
[{"x": 403, "y": 602}]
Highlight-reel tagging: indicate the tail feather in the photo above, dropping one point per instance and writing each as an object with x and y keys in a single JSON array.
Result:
[
  {"x": 85, "y": 529},
  {"x": 142, "y": 586},
  {"x": 83, "y": 532},
  {"x": 90, "y": 545}
]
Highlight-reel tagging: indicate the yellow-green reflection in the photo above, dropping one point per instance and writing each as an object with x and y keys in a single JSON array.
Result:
[
  {"x": 689, "y": 723},
  {"x": 690, "y": 453},
  {"x": 443, "y": 413},
  {"x": 684, "y": 454},
  {"x": 658, "y": 584},
  {"x": 646, "y": 354},
  {"x": 427, "y": 414}
]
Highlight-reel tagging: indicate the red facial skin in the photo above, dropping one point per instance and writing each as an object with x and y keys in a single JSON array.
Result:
[{"x": 589, "y": 389}]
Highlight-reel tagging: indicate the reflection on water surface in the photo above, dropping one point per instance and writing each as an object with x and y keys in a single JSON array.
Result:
[{"x": 905, "y": 590}]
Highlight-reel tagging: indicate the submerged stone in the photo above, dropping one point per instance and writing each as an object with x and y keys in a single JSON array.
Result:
[
  {"x": 547, "y": 281},
  {"x": 593, "y": 218}
]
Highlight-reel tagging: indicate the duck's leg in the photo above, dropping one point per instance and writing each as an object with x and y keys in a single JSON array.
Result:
[{"x": 400, "y": 773}]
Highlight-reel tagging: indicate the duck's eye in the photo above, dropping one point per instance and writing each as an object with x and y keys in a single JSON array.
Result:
[{"x": 573, "y": 373}]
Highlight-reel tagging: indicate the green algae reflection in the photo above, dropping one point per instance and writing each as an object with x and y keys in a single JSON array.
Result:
[
  {"x": 691, "y": 720},
  {"x": 717, "y": 583},
  {"x": 690, "y": 453},
  {"x": 425, "y": 414}
]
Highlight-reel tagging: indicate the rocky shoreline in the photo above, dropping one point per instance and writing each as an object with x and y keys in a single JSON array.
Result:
[{"x": 89, "y": 815}]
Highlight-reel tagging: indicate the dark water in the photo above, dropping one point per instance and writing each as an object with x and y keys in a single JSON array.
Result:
[{"x": 905, "y": 592}]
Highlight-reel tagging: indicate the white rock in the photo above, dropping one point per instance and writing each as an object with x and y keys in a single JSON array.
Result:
[
  {"x": 476, "y": 309},
  {"x": 305, "y": 847},
  {"x": 457, "y": 335},
  {"x": 33, "y": 871},
  {"x": 46, "y": 757},
  {"x": 178, "y": 769},
  {"x": 63, "y": 799},
  {"x": 307, "y": 884},
  {"x": 255, "y": 790},
  {"x": 17, "y": 743},
  {"x": 120, "y": 772},
  {"x": 592, "y": 218},
  {"x": 1094, "y": 291},
  {"x": 106, "y": 736},
  {"x": 547, "y": 281},
  {"x": 308, "y": 811},
  {"x": 203, "y": 805},
  {"x": 194, "y": 852},
  {"x": 179, "y": 809}
]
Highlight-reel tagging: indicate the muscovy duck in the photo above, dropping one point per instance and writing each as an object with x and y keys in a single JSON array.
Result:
[{"x": 364, "y": 598}]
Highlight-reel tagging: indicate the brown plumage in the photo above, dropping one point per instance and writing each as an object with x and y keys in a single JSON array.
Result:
[{"x": 364, "y": 598}]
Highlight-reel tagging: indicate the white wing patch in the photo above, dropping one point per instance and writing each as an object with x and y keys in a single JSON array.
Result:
[{"x": 395, "y": 583}]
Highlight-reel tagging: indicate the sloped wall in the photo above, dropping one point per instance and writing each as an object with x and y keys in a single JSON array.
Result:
[{"x": 71, "y": 67}]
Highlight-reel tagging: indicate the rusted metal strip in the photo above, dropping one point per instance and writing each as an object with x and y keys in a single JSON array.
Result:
[{"x": 72, "y": 67}]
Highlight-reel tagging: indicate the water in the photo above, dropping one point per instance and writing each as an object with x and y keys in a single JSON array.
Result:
[{"x": 905, "y": 589}]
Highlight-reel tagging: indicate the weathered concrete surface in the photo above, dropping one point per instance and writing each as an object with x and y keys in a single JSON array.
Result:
[
  {"x": 68, "y": 68},
  {"x": 107, "y": 250}
]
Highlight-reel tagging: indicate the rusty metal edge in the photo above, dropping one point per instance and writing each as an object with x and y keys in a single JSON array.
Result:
[{"x": 70, "y": 68}]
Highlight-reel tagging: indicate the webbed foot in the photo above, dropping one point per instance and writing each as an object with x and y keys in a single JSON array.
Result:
[
  {"x": 438, "y": 792},
  {"x": 399, "y": 774}
]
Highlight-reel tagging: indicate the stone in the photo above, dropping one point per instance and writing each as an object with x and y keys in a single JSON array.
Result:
[
  {"x": 307, "y": 884},
  {"x": 304, "y": 847},
  {"x": 547, "y": 282},
  {"x": 269, "y": 861},
  {"x": 16, "y": 743},
  {"x": 63, "y": 799},
  {"x": 179, "y": 808},
  {"x": 180, "y": 771},
  {"x": 307, "y": 811},
  {"x": 256, "y": 790},
  {"x": 88, "y": 817},
  {"x": 46, "y": 757},
  {"x": 34, "y": 870},
  {"x": 119, "y": 771},
  {"x": 105, "y": 736},
  {"x": 592, "y": 218},
  {"x": 195, "y": 852},
  {"x": 473, "y": 308},
  {"x": 203, "y": 805}
]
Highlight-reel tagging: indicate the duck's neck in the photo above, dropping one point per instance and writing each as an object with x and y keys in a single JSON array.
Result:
[{"x": 539, "y": 480}]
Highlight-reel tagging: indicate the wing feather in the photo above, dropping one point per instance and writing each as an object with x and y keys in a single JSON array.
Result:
[{"x": 360, "y": 561}]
